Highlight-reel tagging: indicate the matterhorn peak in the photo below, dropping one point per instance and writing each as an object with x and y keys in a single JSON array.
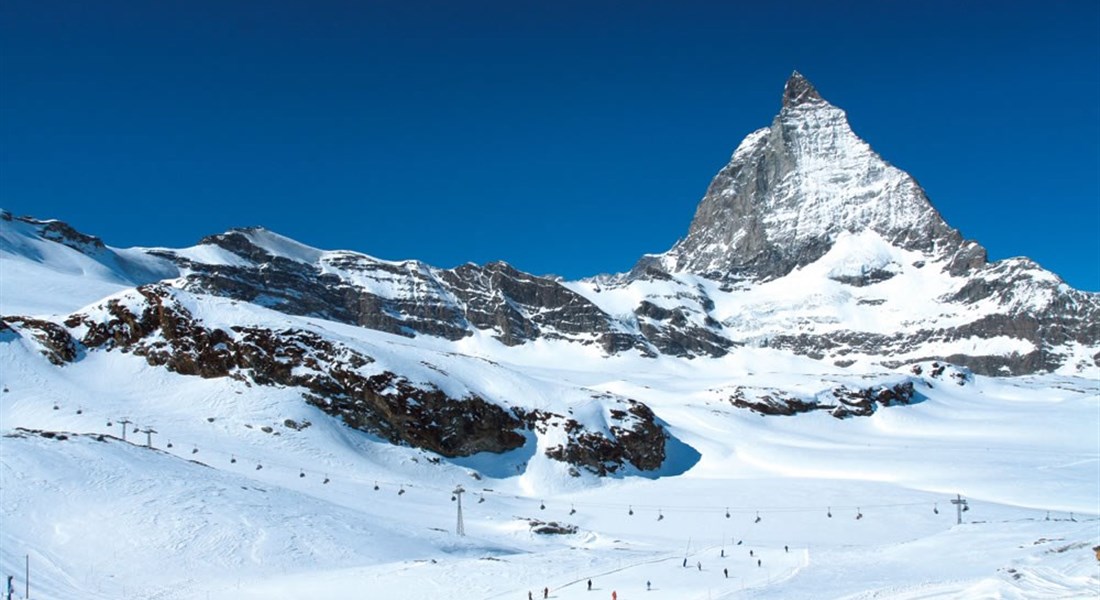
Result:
[
  {"x": 791, "y": 189},
  {"x": 799, "y": 90}
]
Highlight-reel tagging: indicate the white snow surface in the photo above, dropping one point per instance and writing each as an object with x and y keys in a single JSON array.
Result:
[{"x": 103, "y": 518}]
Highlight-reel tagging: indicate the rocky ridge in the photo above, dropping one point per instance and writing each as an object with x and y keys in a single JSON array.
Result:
[{"x": 155, "y": 324}]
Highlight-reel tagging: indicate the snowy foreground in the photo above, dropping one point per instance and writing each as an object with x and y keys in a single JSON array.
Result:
[{"x": 103, "y": 518}]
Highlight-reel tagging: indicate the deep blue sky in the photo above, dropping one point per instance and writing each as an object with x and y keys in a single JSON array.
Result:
[{"x": 563, "y": 137}]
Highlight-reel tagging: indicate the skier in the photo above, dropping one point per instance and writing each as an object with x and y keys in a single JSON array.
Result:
[
  {"x": 726, "y": 572},
  {"x": 545, "y": 592},
  {"x": 685, "y": 562},
  {"x": 529, "y": 596},
  {"x": 750, "y": 553},
  {"x": 614, "y": 595},
  {"x": 786, "y": 549},
  {"x": 723, "y": 552},
  {"x": 647, "y": 585},
  {"x": 699, "y": 565},
  {"x": 590, "y": 585},
  {"x": 758, "y": 562}
]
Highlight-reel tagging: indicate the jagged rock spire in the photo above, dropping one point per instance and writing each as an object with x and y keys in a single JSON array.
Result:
[
  {"x": 799, "y": 90},
  {"x": 792, "y": 188}
]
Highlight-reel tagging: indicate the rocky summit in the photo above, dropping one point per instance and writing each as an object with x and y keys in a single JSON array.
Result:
[
  {"x": 792, "y": 188},
  {"x": 807, "y": 244}
]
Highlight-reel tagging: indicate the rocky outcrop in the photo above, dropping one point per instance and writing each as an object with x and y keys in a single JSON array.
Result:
[
  {"x": 407, "y": 298},
  {"x": 391, "y": 406},
  {"x": 634, "y": 437},
  {"x": 60, "y": 232},
  {"x": 54, "y": 340},
  {"x": 155, "y": 325},
  {"x": 841, "y": 402},
  {"x": 162, "y": 331}
]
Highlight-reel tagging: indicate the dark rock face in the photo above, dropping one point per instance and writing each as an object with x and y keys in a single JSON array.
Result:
[
  {"x": 671, "y": 332},
  {"x": 332, "y": 376},
  {"x": 799, "y": 91},
  {"x": 60, "y": 232},
  {"x": 330, "y": 373},
  {"x": 636, "y": 439},
  {"x": 868, "y": 277},
  {"x": 844, "y": 402},
  {"x": 521, "y": 308},
  {"x": 417, "y": 300},
  {"x": 551, "y": 527},
  {"x": 423, "y": 418},
  {"x": 57, "y": 345}
]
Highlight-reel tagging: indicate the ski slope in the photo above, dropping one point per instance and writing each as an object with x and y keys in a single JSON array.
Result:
[{"x": 113, "y": 519}]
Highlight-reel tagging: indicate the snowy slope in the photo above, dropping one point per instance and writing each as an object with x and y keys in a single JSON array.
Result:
[{"x": 109, "y": 519}]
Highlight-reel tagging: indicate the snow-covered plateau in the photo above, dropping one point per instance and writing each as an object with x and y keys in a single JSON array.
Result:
[{"x": 823, "y": 391}]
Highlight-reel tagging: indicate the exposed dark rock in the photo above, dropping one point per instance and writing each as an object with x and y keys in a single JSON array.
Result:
[
  {"x": 423, "y": 418},
  {"x": 551, "y": 527},
  {"x": 671, "y": 332},
  {"x": 863, "y": 402},
  {"x": 846, "y": 402},
  {"x": 636, "y": 439},
  {"x": 772, "y": 403},
  {"x": 62, "y": 233},
  {"x": 57, "y": 345},
  {"x": 868, "y": 277},
  {"x": 385, "y": 404}
]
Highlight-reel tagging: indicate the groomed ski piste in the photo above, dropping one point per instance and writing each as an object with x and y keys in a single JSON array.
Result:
[{"x": 237, "y": 506}]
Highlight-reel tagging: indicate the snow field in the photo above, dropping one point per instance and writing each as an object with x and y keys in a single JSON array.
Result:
[{"x": 112, "y": 520}]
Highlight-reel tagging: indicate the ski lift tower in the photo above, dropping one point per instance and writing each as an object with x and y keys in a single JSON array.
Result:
[
  {"x": 960, "y": 506},
  {"x": 459, "y": 529}
]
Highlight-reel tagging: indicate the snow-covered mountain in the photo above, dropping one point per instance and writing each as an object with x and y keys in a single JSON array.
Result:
[
  {"x": 816, "y": 280},
  {"x": 807, "y": 241}
]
